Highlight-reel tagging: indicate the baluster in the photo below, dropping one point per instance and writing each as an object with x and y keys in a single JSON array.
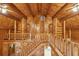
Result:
[
  {"x": 72, "y": 48},
  {"x": 59, "y": 44},
  {"x": 56, "y": 44},
  {"x": 62, "y": 46},
  {"x": 9, "y": 34},
  {"x": 78, "y": 50},
  {"x": 69, "y": 49},
  {"x": 75, "y": 50},
  {"x": 65, "y": 47}
]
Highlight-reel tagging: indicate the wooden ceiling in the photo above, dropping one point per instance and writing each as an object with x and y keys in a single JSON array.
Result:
[{"x": 62, "y": 11}]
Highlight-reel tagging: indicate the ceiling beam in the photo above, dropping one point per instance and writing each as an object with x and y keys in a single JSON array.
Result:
[
  {"x": 17, "y": 10},
  {"x": 69, "y": 16},
  {"x": 48, "y": 9},
  {"x": 34, "y": 9},
  {"x": 10, "y": 16},
  {"x": 30, "y": 9},
  {"x": 43, "y": 9},
  {"x": 55, "y": 15},
  {"x": 38, "y": 7}
]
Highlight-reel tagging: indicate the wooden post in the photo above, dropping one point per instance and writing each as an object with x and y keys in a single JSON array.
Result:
[
  {"x": 70, "y": 34},
  {"x": 64, "y": 29},
  {"x": 15, "y": 33},
  {"x": 9, "y": 34},
  {"x": 75, "y": 50},
  {"x": 15, "y": 30},
  {"x": 22, "y": 33},
  {"x": 64, "y": 37},
  {"x": 70, "y": 40},
  {"x": 22, "y": 27},
  {"x": 30, "y": 33},
  {"x": 55, "y": 31}
]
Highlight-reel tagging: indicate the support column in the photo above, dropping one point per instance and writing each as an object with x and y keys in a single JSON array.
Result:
[
  {"x": 70, "y": 47},
  {"x": 22, "y": 28},
  {"x": 70, "y": 34},
  {"x": 64, "y": 37},
  {"x": 55, "y": 30},
  {"x": 15, "y": 30},
  {"x": 58, "y": 34},
  {"x": 64, "y": 29},
  {"x": 9, "y": 34}
]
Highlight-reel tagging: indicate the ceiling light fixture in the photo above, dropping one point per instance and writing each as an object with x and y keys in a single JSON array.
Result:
[
  {"x": 76, "y": 8},
  {"x": 3, "y": 9},
  {"x": 42, "y": 18},
  {"x": 4, "y": 6}
]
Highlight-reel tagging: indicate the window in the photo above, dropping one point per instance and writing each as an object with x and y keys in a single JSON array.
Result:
[{"x": 47, "y": 51}]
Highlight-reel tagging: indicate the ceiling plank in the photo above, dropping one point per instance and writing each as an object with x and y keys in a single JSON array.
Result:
[
  {"x": 17, "y": 10},
  {"x": 34, "y": 8},
  {"x": 69, "y": 16},
  {"x": 48, "y": 9},
  {"x": 30, "y": 9},
  {"x": 55, "y": 15},
  {"x": 39, "y": 9}
]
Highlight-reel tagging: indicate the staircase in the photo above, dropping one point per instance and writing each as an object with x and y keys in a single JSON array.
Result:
[
  {"x": 28, "y": 48},
  {"x": 61, "y": 47},
  {"x": 65, "y": 47},
  {"x": 24, "y": 46}
]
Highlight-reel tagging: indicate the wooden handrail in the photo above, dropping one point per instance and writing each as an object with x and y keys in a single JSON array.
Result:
[
  {"x": 40, "y": 45},
  {"x": 56, "y": 50},
  {"x": 68, "y": 47}
]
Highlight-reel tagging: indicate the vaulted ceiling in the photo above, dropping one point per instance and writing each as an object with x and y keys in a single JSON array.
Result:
[{"x": 62, "y": 11}]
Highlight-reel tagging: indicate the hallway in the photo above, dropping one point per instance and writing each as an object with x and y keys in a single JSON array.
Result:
[{"x": 39, "y": 29}]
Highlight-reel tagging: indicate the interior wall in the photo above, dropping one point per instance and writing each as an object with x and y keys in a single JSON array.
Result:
[
  {"x": 75, "y": 35},
  {"x": 67, "y": 33},
  {"x": 1, "y": 38},
  {"x": 3, "y": 32}
]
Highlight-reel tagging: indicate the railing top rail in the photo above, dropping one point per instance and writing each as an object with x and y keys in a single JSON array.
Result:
[{"x": 74, "y": 43}]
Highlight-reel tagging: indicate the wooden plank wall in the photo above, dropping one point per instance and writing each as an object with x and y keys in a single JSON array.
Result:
[{"x": 75, "y": 36}]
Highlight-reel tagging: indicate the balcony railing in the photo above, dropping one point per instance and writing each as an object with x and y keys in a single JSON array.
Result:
[
  {"x": 24, "y": 43},
  {"x": 66, "y": 47},
  {"x": 24, "y": 36}
]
